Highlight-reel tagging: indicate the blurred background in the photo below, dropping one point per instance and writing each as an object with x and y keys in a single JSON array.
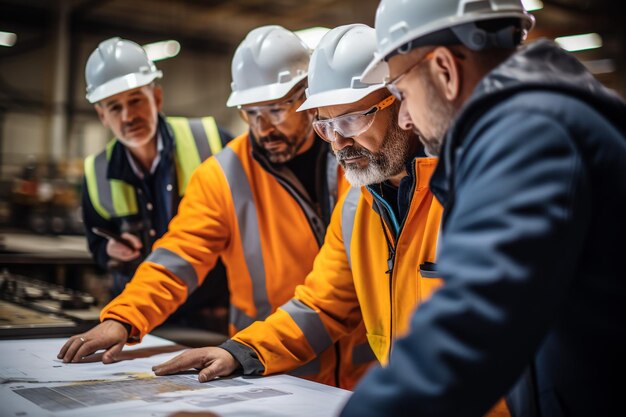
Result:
[{"x": 47, "y": 127}]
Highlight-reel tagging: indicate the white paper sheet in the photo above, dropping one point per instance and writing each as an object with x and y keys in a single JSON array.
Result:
[{"x": 38, "y": 384}]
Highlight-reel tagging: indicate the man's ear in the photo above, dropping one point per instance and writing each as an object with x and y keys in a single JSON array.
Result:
[
  {"x": 158, "y": 97},
  {"x": 101, "y": 115},
  {"x": 447, "y": 73}
]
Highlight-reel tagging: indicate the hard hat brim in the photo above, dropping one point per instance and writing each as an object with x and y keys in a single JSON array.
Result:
[
  {"x": 263, "y": 93},
  {"x": 338, "y": 97},
  {"x": 121, "y": 84}
]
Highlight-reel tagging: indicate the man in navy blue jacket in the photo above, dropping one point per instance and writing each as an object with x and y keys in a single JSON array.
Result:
[{"x": 532, "y": 176}]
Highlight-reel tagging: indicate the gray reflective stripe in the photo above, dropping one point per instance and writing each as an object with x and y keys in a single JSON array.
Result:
[
  {"x": 429, "y": 274},
  {"x": 310, "y": 323},
  {"x": 200, "y": 138},
  {"x": 248, "y": 227},
  {"x": 348, "y": 213},
  {"x": 239, "y": 319},
  {"x": 104, "y": 188},
  {"x": 331, "y": 178},
  {"x": 176, "y": 265},
  {"x": 313, "y": 367},
  {"x": 362, "y": 353}
]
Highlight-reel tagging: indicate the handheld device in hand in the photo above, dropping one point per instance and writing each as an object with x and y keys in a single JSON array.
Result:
[{"x": 107, "y": 234}]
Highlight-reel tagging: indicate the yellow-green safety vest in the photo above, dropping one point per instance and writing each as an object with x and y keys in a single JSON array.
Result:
[{"x": 195, "y": 140}]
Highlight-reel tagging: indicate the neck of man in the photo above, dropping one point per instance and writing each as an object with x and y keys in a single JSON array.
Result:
[
  {"x": 307, "y": 143},
  {"x": 146, "y": 154},
  {"x": 415, "y": 149},
  {"x": 395, "y": 180}
]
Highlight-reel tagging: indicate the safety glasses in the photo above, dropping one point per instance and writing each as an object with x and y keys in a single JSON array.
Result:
[
  {"x": 391, "y": 85},
  {"x": 350, "y": 125},
  {"x": 273, "y": 113}
]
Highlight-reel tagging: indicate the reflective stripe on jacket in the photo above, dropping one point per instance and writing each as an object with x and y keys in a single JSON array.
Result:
[
  {"x": 196, "y": 140},
  {"x": 349, "y": 288},
  {"x": 265, "y": 234}
]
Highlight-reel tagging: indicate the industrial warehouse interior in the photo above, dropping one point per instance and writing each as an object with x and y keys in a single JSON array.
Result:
[{"x": 54, "y": 288}]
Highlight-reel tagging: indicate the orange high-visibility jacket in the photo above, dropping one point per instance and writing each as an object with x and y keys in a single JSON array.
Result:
[
  {"x": 352, "y": 281},
  {"x": 258, "y": 218}
]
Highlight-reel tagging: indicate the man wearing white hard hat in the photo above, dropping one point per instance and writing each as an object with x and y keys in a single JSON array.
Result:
[
  {"x": 133, "y": 187},
  {"x": 262, "y": 204},
  {"x": 377, "y": 262},
  {"x": 532, "y": 177}
]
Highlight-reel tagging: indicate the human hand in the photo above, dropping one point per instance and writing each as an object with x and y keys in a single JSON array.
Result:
[
  {"x": 212, "y": 362},
  {"x": 109, "y": 335},
  {"x": 119, "y": 251}
]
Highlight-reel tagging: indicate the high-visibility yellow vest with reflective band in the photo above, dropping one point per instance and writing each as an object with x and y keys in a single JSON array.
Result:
[{"x": 195, "y": 140}]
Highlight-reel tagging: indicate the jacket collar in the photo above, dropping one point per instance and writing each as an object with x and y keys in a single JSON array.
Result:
[
  {"x": 119, "y": 167},
  {"x": 281, "y": 170}
]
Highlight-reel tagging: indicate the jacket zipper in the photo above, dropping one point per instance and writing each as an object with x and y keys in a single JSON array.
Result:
[
  {"x": 312, "y": 213},
  {"x": 315, "y": 223},
  {"x": 392, "y": 248}
]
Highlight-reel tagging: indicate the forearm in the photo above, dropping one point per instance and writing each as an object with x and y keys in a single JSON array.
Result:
[{"x": 148, "y": 299}]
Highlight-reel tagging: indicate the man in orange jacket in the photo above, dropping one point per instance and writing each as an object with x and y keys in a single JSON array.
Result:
[
  {"x": 262, "y": 204},
  {"x": 376, "y": 262}
]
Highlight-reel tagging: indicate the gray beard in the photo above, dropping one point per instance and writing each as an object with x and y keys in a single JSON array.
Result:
[{"x": 389, "y": 161}]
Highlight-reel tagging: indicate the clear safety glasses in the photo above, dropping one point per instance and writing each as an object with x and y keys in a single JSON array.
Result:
[
  {"x": 391, "y": 85},
  {"x": 273, "y": 113},
  {"x": 350, "y": 125}
]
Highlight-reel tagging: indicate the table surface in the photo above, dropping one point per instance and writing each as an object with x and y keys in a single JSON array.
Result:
[
  {"x": 34, "y": 383},
  {"x": 30, "y": 248}
]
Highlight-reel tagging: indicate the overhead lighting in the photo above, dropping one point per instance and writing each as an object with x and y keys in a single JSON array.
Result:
[
  {"x": 7, "y": 38},
  {"x": 531, "y": 5},
  {"x": 162, "y": 50},
  {"x": 312, "y": 36},
  {"x": 580, "y": 42}
]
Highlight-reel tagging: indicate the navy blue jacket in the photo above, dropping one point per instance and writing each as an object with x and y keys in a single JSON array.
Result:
[{"x": 533, "y": 182}]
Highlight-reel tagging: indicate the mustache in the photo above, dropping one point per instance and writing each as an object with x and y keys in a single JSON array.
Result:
[
  {"x": 132, "y": 124},
  {"x": 352, "y": 152},
  {"x": 272, "y": 137}
]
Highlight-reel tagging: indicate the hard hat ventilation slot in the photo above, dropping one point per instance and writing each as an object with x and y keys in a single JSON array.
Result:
[
  {"x": 473, "y": 6},
  {"x": 284, "y": 77}
]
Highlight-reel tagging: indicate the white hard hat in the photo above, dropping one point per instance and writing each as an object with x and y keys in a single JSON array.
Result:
[
  {"x": 336, "y": 66},
  {"x": 117, "y": 65},
  {"x": 399, "y": 22},
  {"x": 269, "y": 62}
]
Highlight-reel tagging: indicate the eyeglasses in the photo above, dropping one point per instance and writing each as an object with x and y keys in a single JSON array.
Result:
[
  {"x": 350, "y": 125},
  {"x": 274, "y": 113},
  {"x": 391, "y": 85}
]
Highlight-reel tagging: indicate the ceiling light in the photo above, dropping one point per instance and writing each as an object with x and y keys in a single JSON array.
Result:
[
  {"x": 580, "y": 42},
  {"x": 7, "y": 38},
  {"x": 531, "y": 5},
  {"x": 312, "y": 36},
  {"x": 162, "y": 50}
]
